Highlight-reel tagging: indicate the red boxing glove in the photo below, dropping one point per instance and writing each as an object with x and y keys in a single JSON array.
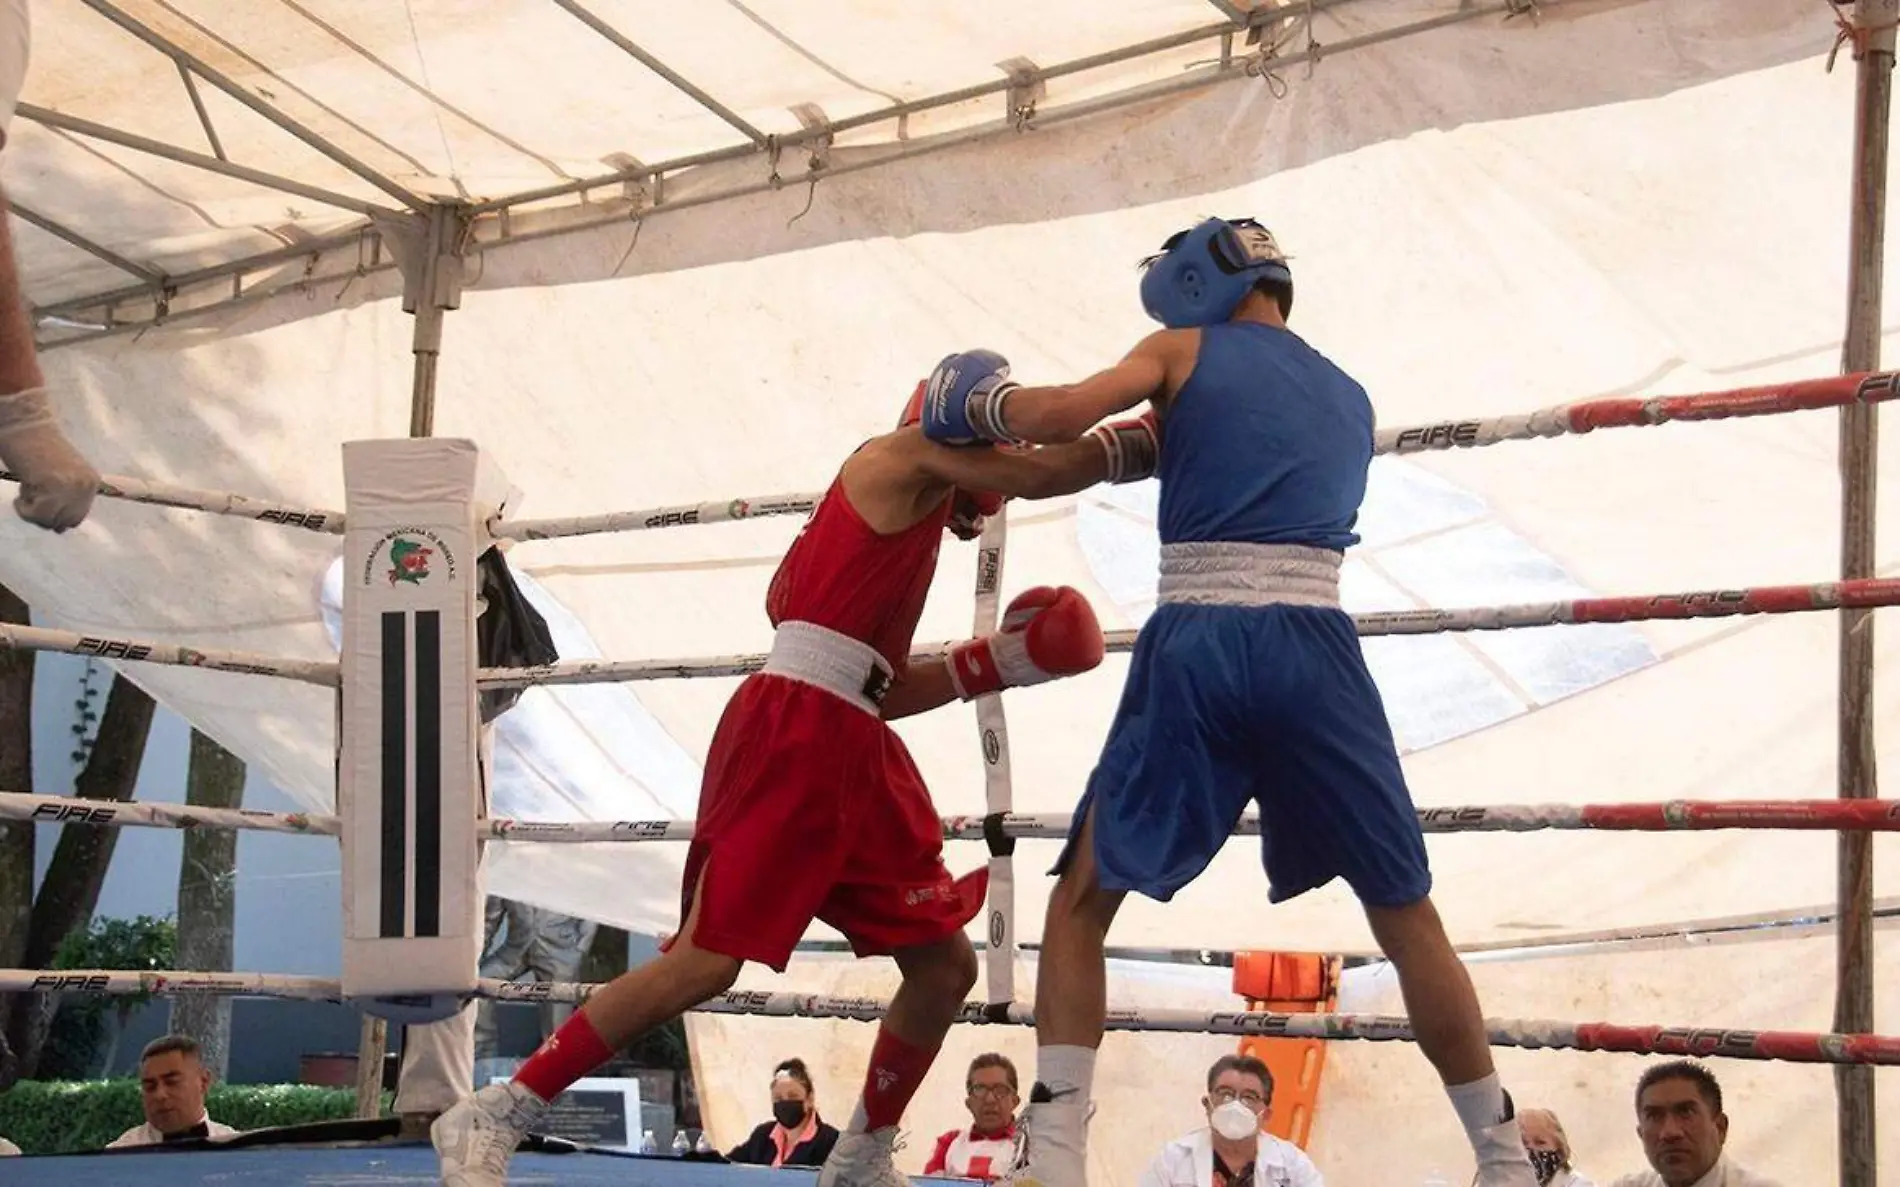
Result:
[{"x": 1046, "y": 634}]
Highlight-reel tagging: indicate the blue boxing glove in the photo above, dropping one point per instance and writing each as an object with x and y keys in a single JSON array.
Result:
[{"x": 963, "y": 399}]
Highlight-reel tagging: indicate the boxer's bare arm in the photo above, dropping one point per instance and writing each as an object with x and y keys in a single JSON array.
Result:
[
  {"x": 925, "y": 685},
  {"x": 1154, "y": 370},
  {"x": 1040, "y": 473},
  {"x": 897, "y": 479}
]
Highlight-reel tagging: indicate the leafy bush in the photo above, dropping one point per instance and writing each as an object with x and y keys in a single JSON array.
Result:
[
  {"x": 45, "y": 1117},
  {"x": 84, "y": 1039}
]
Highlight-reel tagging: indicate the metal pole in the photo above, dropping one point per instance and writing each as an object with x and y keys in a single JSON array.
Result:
[
  {"x": 432, "y": 289},
  {"x": 371, "y": 1050},
  {"x": 1854, "y": 988}
]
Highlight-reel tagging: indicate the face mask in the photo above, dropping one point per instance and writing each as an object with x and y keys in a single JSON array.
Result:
[
  {"x": 1235, "y": 1121},
  {"x": 1546, "y": 1163},
  {"x": 789, "y": 1113}
]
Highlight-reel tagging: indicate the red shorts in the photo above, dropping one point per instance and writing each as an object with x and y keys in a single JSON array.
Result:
[{"x": 812, "y": 809}]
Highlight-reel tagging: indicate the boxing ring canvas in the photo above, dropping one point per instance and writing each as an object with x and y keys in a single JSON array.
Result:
[{"x": 1473, "y": 243}]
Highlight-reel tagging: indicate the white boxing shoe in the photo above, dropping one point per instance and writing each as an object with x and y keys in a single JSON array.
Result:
[
  {"x": 864, "y": 1160},
  {"x": 1051, "y": 1143},
  {"x": 476, "y": 1138}
]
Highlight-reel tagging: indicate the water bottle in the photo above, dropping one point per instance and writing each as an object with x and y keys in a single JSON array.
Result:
[
  {"x": 679, "y": 1142},
  {"x": 647, "y": 1144}
]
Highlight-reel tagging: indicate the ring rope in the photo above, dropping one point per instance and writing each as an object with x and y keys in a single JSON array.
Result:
[
  {"x": 1821, "y": 815},
  {"x": 185, "y": 498},
  {"x": 1530, "y": 1033},
  {"x": 31, "y": 638},
  {"x": 992, "y": 728},
  {"x": 1583, "y": 416},
  {"x": 1868, "y": 593},
  {"x": 1768, "y": 599}
]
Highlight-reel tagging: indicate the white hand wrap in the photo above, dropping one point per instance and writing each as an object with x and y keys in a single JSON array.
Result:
[{"x": 1132, "y": 447}]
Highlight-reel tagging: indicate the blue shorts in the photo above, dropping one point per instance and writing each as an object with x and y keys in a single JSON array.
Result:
[{"x": 1228, "y": 704}]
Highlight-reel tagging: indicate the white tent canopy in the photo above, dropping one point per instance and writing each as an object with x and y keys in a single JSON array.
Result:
[{"x": 1487, "y": 215}]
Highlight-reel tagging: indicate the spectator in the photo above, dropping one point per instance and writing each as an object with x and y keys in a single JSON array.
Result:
[
  {"x": 173, "y": 1081},
  {"x": 795, "y": 1136},
  {"x": 1680, "y": 1119},
  {"x": 1234, "y": 1150},
  {"x": 525, "y": 942},
  {"x": 984, "y": 1149},
  {"x": 1549, "y": 1148}
]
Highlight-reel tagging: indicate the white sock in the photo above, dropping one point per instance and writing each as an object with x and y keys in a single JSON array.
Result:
[
  {"x": 1480, "y": 1104},
  {"x": 1067, "y": 1070}
]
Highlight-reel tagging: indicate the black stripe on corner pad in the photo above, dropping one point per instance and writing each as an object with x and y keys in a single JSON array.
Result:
[
  {"x": 429, "y": 773},
  {"x": 393, "y": 877}
]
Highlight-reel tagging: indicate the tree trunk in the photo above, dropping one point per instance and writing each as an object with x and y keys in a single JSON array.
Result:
[
  {"x": 70, "y": 891},
  {"x": 16, "y": 774},
  {"x": 207, "y": 900}
]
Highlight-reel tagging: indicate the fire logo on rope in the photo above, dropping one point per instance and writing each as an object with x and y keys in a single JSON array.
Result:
[
  {"x": 646, "y": 830},
  {"x": 316, "y": 521},
  {"x": 673, "y": 519},
  {"x": 78, "y": 813},
  {"x": 112, "y": 648},
  {"x": 73, "y": 983}
]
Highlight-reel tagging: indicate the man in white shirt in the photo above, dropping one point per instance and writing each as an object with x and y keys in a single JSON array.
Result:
[
  {"x": 1680, "y": 1119},
  {"x": 985, "y": 1148},
  {"x": 173, "y": 1081},
  {"x": 1234, "y": 1150}
]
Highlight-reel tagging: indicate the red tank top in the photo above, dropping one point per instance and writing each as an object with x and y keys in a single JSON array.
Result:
[{"x": 841, "y": 575}]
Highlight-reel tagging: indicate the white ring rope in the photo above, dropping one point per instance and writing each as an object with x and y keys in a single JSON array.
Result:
[
  {"x": 31, "y": 638},
  {"x": 1655, "y": 816},
  {"x": 1532, "y": 1033},
  {"x": 684, "y": 515},
  {"x": 1720, "y": 603},
  {"x": 1782, "y": 599},
  {"x": 1582, "y": 416}
]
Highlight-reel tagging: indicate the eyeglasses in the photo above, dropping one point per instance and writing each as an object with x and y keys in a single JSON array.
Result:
[
  {"x": 992, "y": 1090},
  {"x": 1250, "y": 1098}
]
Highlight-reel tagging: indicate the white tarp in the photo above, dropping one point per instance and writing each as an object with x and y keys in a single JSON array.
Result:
[{"x": 1468, "y": 242}]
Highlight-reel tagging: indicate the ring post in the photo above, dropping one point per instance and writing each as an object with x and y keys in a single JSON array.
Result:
[{"x": 410, "y": 777}]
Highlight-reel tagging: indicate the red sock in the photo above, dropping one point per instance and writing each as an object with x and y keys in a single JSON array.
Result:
[
  {"x": 897, "y": 1069},
  {"x": 570, "y": 1053}
]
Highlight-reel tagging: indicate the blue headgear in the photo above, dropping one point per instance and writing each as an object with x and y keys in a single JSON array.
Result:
[{"x": 1202, "y": 275}]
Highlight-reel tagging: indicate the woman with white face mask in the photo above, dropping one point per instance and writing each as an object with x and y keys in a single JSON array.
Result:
[{"x": 1234, "y": 1150}]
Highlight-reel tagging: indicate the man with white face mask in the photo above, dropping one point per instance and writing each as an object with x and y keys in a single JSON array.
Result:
[{"x": 1234, "y": 1150}]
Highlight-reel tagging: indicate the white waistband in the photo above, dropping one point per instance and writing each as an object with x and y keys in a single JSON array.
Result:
[
  {"x": 848, "y": 669},
  {"x": 1234, "y": 574}
]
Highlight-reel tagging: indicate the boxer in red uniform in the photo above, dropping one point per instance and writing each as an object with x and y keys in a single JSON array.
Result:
[{"x": 811, "y": 807}]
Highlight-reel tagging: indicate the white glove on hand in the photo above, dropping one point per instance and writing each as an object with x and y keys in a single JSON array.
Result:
[{"x": 57, "y": 485}]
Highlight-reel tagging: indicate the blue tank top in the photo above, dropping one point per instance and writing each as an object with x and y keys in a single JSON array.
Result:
[{"x": 1267, "y": 443}]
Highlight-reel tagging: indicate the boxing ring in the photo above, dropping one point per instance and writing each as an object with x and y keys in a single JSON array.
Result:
[{"x": 366, "y": 1151}]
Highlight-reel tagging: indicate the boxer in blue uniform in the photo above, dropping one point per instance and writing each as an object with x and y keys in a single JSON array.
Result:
[{"x": 1247, "y": 684}]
